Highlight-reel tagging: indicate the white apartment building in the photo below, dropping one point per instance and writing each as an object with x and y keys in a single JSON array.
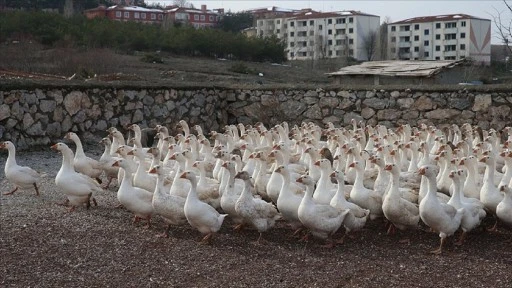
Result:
[
  {"x": 315, "y": 35},
  {"x": 443, "y": 37}
]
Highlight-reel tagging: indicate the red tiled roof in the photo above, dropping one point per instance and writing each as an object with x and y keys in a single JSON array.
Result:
[
  {"x": 437, "y": 18},
  {"x": 315, "y": 15}
]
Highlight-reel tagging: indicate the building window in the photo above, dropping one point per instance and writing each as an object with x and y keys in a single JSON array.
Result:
[
  {"x": 449, "y": 58},
  {"x": 425, "y": 54},
  {"x": 350, "y": 30},
  {"x": 450, "y": 36},
  {"x": 425, "y": 43},
  {"x": 278, "y": 21},
  {"x": 311, "y": 33},
  {"x": 203, "y": 18},
  {"x": 427, "y": 32},
  {"x": 329, "y": 32},
  {"x": 393, "y": 28},
  {"x": 143, "y": 15},
  {"x": 350, "y": 41},
  {"x": 292, "y": 54},
  {"x": 340, "y": 31},
  {"x": 136, "y": 15},
  {"x": 438, "y": 48},
  {"x": 351, "y": 52},
  {"x": 292, "y": 24},
  {"x": 463, "y": 24},
  {"x": 405, "y": 39},
  {"x": 405, "y": 28},
  {"x": 278, "y": 31},
  {"x": 450, "y": 47},
  {"x": 416, "y": 49},
  {"x": 462, "y": 35},
  {"x": 211, "y": 18},
  {"x": 196, "y": 17},
  {"x": 338, "y": 42},
  {"x": 416, "y": 38},
  {"x": 438, "y": 25},
  {"x": 311, "y": 22},
  {"x": 311, "y": 53},
  {"x": 292, "y": 44},
  {"x": 302, "y": 34},
  {"x": 126, "y": 14},
  {"x": 153, "y": 16},
  {"x": 462, "y": 46},
  {"x": 417, "y": 27},
  {"x": 292, "y": 34},
  {"x": 438, "y": 58},
  {"x": 320, "y": 27},
  {"x": 438, "y": 36},
  {"x": 118, "y": 14},
  {"x": 350, "y": 20},
  {"x": 329, "y": 42},
  {"x": 330, "y": 52},
  {"x": 393, "y": 50},
  {"x": 160, "y": 17},
  {"x": 303, "y": 23},
  {"x": 311, "y": 43},
  {"x": 329, "y": 21},
  {"x": 340, "y": 20},
  {"x": 450, "y": 25},
  {"x": 393, "y": 39}
]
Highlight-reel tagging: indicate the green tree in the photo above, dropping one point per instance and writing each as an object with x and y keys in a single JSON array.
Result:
[{"x": 236, "y": 22}]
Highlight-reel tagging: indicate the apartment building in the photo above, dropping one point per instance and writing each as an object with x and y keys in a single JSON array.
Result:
[
  {"x": 442, "y": 37},
  {"x": 314, "y": 35},
  {"x": 199, "y": 18}
]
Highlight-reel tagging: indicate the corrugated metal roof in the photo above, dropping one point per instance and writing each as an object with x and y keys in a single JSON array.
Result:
[{"x": 397, "y": 68}]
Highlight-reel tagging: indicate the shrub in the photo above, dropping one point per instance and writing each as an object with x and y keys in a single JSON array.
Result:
[{"x": 152, "y": 58}]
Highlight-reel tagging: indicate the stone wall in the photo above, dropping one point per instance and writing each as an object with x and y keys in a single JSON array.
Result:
[{"x": 41, "y": 116}]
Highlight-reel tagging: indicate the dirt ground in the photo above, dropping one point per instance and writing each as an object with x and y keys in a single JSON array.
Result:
[{"x": 41, "y": 245}]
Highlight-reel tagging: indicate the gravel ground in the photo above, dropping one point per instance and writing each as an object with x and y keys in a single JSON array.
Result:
[{"x": 43, "y": 246}]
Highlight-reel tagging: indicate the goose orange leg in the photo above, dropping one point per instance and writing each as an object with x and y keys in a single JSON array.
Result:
[
  {"x": 12, "y": 192},
  {"x": 37, "y": 189},
  {"x": 440, "y": 249}
]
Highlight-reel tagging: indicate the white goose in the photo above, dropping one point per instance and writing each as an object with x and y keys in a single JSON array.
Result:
[
  {"x": 288, "y": 202},
  {"x": 200, "y": 215},
  {"x": 135, "y": 199},
  {"x": 81, "y": 162},
  {"x": 356, "y": 218},
  {"x": 442, "y": 218},
  {"x": 400, "y": 212},
  {"x": 504, "y": 209},
  {"x": 261, "y": 214},
  {"x": 20, "y": 176},
  {"x": 78, "y": 188},
  {"x": 489, "y": 194},
  {"x": 169, "y": 207},
  {"x": 473, "y": 211},
  {"x": 106, "y": 161},
  {"x": 321, "y": 220},
  {"x": 364, "y": 197}
]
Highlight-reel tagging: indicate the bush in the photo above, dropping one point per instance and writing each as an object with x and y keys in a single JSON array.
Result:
[
  {"x": 241, "y": 68},
  {"x": 152, "y": 58}
]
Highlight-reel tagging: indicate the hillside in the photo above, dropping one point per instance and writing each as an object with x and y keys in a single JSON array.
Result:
[{"x": 19, "y": 59}]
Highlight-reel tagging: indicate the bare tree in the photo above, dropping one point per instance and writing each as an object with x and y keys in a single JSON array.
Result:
[
  {"x": 370, "y": 44},
  {"x": 182, "y": 3},
  {"x": 504, "y": 28},
  {"x": 383, "y": 39}
]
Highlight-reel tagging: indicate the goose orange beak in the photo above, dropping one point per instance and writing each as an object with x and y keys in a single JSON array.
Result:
[
  {"x": 482, "y": 160},
  {"x": 152, "y": 171},
  {"x": 317, "y": 163},
  {"x": 333, "y": 174},
  {"x": 352, "y": 165},
  {"x": 130, "y": 152},
  {"x": 421, "y": 171},
  {"x": 116, "y": 164},
  {"x": 299, "y": 180},
  {"x": 225, "y": 164},
  {"x": 53, "y": 147},
  {"x": 461, "y": 162},
  {"x": 184, "y": 175},
  {"x": 388, "y": 167}
]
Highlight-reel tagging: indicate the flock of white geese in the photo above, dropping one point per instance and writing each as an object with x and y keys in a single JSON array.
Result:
[{"x": 316, "y": 179}]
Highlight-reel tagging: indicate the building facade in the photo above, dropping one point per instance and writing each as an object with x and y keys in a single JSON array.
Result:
[
  {"x": 199, "y": 18},
  {"x": 313, "y": 35},
  {"x": 443, "y": 37}
]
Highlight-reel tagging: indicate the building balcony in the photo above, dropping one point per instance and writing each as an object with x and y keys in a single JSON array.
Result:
[{"x": 404, "y": 44}]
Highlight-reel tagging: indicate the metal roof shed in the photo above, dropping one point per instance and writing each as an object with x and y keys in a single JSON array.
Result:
[{"x": 400, "y": 72}]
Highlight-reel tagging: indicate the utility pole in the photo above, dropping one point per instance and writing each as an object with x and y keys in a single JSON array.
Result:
[{"x": 68, "y": 9}]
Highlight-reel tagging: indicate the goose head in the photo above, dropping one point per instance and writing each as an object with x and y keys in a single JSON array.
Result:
[
  {"x": 306, "y": 180},
  {"x": 428, "y": 170},
  {"x": 337, "y": 177},
  {"x": 244, "y": 175},
  {"x": 6, "y": 145},
  {"x": 157, "y": 169},
  {"x": 188, "y": 175},
  {"x": 392, "y": 168},
  {"x": 59, "y": 146},
  {"x": 323, "y": 163}
]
